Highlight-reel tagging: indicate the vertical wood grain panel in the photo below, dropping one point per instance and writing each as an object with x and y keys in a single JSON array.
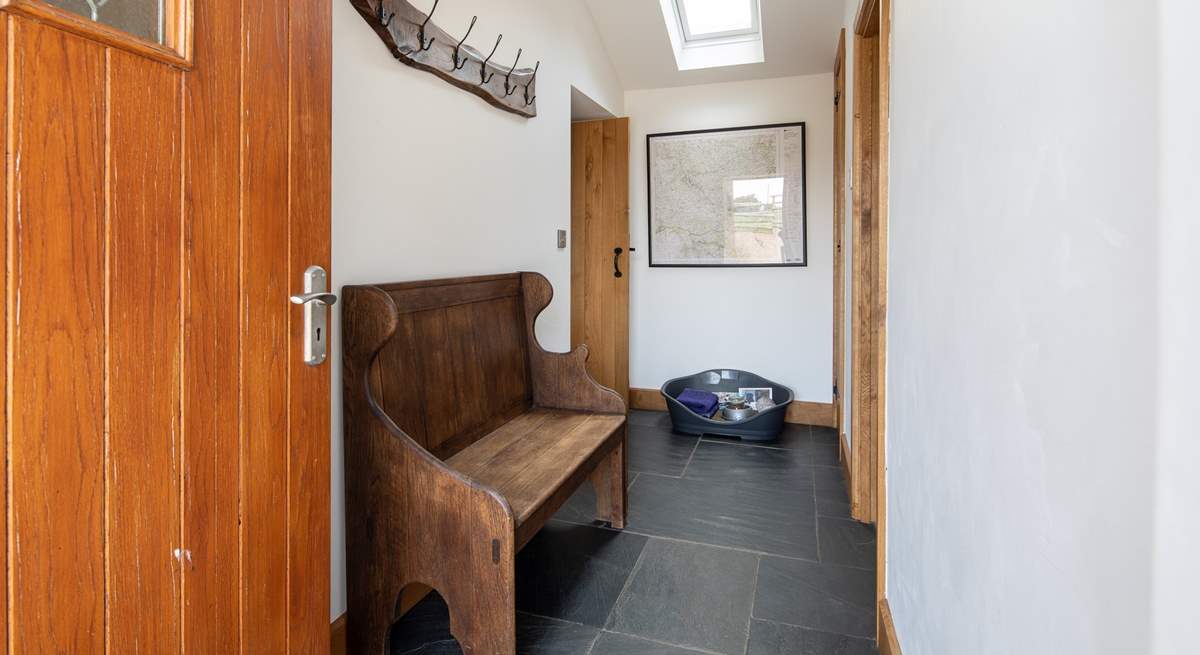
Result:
[
  {"x": 882, "y": 107},
  {"x": 865, "y": 273},
  {"x": 5, "y": 483},
  {"x": 615, "y": 185},
  {"x": 142, "y": 464},
  {"x": 600, "y": 223},
  {"x": 212, "y": 601},
  {"x": 839, "y": 233},
  {"x": 57, "y": 290},
  {"x": 266, "y": 311},
  {"x": 310, "y": 68}
]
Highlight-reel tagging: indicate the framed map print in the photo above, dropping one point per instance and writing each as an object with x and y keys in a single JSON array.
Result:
[{"x": 729, "y": 197}]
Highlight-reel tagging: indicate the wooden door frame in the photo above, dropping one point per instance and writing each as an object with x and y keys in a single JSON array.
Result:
[
  {"x": 839, "y": 235},
  {"x": 872, "y": 37}
]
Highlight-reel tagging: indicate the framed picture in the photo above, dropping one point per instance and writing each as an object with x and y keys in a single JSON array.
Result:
[
  {"x": 752, "y": 395},
  {"x": 728, "y": 197}
]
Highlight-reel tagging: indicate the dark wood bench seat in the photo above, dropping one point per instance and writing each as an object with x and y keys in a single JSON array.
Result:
[
  {"x": 538, "y": 455},
  {"x": 463, "y": 437}
]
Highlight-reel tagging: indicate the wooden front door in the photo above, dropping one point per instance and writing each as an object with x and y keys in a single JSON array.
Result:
[
  {"x": 600, "y": 253},
  {"x": 166, "y": 450}
]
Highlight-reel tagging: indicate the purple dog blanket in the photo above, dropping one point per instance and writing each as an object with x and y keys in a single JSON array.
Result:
[{"x": 701, "y": 402}]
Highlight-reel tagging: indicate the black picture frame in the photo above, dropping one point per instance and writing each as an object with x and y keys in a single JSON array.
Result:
[{"x": 803, "y": 125}]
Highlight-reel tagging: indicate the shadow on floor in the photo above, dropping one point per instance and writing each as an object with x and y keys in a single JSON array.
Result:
[{"x": 729, "y": 548}]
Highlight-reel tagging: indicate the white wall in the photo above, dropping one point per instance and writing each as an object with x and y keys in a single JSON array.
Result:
[
  {"x": 1023, "y": 327},
  {"x": 679, "y": 321},
  {"x": 430, "y": 181},
  {"x": 1177, "y": 533}
]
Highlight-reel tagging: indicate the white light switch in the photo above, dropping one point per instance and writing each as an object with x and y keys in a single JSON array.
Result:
[{"x": 562, "y": 239}]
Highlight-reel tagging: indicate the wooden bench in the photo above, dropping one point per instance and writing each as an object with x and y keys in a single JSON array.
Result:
[{"x": 463, "y": 437}]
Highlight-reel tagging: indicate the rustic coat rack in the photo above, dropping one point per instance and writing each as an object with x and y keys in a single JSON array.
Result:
[{"x": 416, "y": 41}]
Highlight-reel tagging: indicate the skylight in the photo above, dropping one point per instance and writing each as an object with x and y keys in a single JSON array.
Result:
[
  {"x": 704, "y": 20},
  {"x": 712, "y": 33}
]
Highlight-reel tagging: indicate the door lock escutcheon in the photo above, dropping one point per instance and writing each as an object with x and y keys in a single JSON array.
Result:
[{"x": 316, "y": 301}]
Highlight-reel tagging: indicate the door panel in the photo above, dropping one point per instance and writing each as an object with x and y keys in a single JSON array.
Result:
[
  {"x": 265, "y": 354},
  {"x": 167, "y": 450},
  {"x": 212, "y": 211},
  {"x": 57, "y": 314},
  {"x": 143, "y": 517},
  {"x": 600, "y": 225}
]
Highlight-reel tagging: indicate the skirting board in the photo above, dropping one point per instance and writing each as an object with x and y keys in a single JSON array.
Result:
[
  {"x": 800, "y": 411},
  {"x": 337, "y": 636},
  {"x": 888, "y": 643}
]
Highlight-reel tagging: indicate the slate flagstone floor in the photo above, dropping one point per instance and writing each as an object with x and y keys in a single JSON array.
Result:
[{"x": 729, "y": 549}]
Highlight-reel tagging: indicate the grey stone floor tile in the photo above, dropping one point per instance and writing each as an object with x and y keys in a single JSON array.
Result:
[
  {"x": 833, "y": 508},
  {"x": 575, "y": 572},
  {"x": 690, "y": 595},
  {"x": 793, "y": 437},
  {"x": 770, "y": 468},
  {"x": 652, "y": 419},
  {"x": 824, "y": 435},
  {"x": 426, "y": 631},
  {"x": 825, "y": 454},
  {"x": 818, "y": 596},
  {"x": 611, "y": 643},
  {"x": 767, "y": 638},
  {"x": 658, "y": 450},
  {"x": 736, "y": 515},
  {"x": 846, "y": 542},
  {"x": 830, "y": 484}
]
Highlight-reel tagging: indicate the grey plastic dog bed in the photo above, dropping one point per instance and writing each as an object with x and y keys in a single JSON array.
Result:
[{"x": 763, "y": 426}]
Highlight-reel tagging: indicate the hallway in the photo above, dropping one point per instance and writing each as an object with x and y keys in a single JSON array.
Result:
[{"x": 729, "y": 549}]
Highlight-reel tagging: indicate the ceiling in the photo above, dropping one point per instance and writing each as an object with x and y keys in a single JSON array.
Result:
[{"x": 800, "y": 37}]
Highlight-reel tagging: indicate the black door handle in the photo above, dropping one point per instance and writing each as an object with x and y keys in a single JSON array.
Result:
[{"x": 617, "y": 262}]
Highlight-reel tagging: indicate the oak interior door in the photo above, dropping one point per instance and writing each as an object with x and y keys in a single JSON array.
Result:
[
  {"x": 166, "y": 450},
  {"x": 600, "y": 252}
]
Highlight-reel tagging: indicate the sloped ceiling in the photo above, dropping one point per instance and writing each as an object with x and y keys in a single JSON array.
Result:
[{"x": 800, "y": 37}]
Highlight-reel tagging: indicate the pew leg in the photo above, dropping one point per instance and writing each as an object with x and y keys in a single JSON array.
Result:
[
  {"x": 609, "y": 482},
  {"x": 483, "y": 612},
  {"x": 369, "y": 621}
]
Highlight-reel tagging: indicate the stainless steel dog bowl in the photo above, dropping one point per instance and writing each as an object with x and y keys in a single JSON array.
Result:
[{"x": 737, "y": 413}]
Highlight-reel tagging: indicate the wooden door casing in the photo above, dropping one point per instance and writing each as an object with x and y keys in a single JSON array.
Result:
[
  {"x": 600, "y": 224},
  {"x": 166, "y": 451},
  {"x": 839, "y": 236}
]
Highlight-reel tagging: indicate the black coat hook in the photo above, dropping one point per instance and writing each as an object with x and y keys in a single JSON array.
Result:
[
  {"x": 421, "y": 36},
  {"x": 528, "y": 100},
  {"x": 508, "y": 77},
  {"x": 458, "y": 65},
  {"x": 384, "y": 17},
  {"x": 484, "y": 78}
]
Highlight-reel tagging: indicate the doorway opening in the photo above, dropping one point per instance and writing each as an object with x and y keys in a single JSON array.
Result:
[{"x": 600, "y": 263}]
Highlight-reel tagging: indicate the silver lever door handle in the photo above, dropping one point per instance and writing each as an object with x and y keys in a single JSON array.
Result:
[
  {"x": 316, "y": 300},
  {"x": 317, "y": 297}
]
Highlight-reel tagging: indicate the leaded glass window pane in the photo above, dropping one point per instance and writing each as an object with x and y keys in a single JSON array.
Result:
[{"x": 141, "y": 18}]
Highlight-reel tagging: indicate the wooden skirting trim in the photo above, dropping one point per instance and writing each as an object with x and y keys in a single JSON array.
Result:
[
  {"x": 337, "y": 636},
  {"x": 888, "y": 643},
  {"x": 648, "y": 399},
  {"x": 800, "y": 411},
  {"x": 808, "y": 413}
]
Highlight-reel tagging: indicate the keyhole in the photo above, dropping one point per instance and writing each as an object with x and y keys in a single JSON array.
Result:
[{"x": 318, "y": 335}]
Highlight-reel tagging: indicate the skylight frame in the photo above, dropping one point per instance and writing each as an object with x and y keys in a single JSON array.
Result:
[{"x": 753, "y": 32}]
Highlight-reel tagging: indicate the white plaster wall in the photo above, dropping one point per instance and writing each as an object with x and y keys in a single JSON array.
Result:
[
  {"x": 1177, "y": 532},
  {"x": 679, "y": 319},
  {"x": 1023, "y": 327},
  {"x": 430, "y": 181}
]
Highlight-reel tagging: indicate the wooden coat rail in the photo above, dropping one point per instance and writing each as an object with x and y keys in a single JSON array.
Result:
[{"x": 415, "y": 40}]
